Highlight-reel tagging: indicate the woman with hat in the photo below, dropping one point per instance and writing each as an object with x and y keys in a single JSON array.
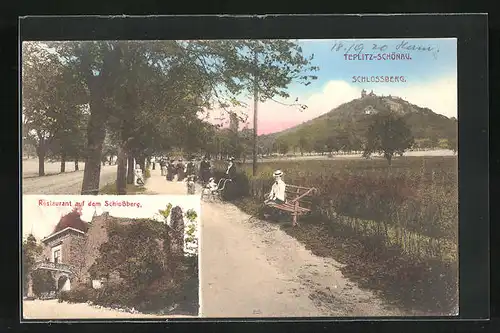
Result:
[
  {"x": 277, "y": 194},
  {"x": 231, "y": 169}
]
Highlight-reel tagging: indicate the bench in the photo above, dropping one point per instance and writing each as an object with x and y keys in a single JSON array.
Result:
[{"x": 297, "y": 201}]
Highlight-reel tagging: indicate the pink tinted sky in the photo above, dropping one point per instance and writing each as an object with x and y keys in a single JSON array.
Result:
[{"x": 438, "y": 95}]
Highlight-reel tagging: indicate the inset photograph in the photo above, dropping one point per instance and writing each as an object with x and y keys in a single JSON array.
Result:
[{"x": 110, "y": 257}]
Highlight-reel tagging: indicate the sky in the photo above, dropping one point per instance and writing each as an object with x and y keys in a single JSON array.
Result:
[
  {"x": 41, "y": 220},
  {"x": 431, "y": 79}
]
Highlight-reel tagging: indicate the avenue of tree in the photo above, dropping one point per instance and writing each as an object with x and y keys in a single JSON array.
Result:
[
  {"x": 91, "y": 101},
  {"x": 86, "y": 101}
]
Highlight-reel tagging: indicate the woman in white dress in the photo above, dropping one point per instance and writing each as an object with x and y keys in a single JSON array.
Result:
[
  {"x": 139, "y": 177},
  {"x": 277, "y": 194}
]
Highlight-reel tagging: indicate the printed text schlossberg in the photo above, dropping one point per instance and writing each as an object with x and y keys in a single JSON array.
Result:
[{"x": 392, "y": 79}]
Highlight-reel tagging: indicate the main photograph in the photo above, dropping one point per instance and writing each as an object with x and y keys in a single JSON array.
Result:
[{"x": 327, "y": 168}]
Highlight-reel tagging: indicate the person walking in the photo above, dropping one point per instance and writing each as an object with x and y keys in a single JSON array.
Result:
[
  {"x": 180, "y": 169},
  {"x": 163, "y": 167},
  {"x": 205, "y": 170},
  {"x": 170, "y": 166},
  {"x": 190, "y": 169}
]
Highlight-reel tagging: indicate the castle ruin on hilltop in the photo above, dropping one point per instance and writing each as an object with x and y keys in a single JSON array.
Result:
[{"x": 364, "y": 94}]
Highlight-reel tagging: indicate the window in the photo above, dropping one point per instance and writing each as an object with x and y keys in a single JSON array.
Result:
[{"x": 56, "y": 254}]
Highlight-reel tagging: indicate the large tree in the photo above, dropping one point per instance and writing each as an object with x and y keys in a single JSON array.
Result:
[
  {"x": 225, "y": 68},
  {"x": 388, "y": 134},
  {"x": 30, "y": 251},
  {"x": 43, "y": 99}
]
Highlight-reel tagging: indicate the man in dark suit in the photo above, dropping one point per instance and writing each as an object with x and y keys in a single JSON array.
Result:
[
  {"x": 205, "y": 173},
  {"x": 191, "y": 168}
]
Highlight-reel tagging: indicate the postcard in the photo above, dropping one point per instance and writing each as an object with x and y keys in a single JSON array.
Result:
[{"x": 327, "y": 168}]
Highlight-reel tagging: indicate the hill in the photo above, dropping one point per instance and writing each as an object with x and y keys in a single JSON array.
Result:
[{"x": 351, "y": 119}]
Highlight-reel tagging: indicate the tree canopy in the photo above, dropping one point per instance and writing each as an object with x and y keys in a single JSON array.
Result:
[{"x": 388, "y": 135}]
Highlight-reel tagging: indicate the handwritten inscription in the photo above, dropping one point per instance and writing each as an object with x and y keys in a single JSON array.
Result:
[{"x": 402, "y": 50}]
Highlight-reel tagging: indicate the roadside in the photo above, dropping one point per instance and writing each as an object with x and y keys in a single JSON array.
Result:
[
  {"x": 52, "y": 309},
  {"x": 64, "y": 183},
  {"x": 418, "y": 287},
  {"x": 251, "y": 268}
]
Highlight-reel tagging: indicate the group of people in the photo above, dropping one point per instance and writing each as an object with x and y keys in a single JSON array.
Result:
[
  {"x": 188, "y": 172},
  {"x": 171, "y": 168},
  {"x": 192, "y": 171}
]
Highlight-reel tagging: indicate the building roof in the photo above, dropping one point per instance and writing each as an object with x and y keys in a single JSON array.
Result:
[{"x": 71, "y": 220}]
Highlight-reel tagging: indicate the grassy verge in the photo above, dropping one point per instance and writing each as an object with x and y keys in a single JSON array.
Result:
[
  {"x": 428, "y": 286},
  {"x": 110, "y": 189},
  {"x": 393, "y": 228}
]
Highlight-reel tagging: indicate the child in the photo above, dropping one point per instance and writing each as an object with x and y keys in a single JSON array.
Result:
[{"x": 211, "y": 187}]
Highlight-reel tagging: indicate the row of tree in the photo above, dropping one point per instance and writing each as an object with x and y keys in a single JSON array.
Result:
[
  {"x": 384, "y": 132},
  {"x": 86, "y": 100}
]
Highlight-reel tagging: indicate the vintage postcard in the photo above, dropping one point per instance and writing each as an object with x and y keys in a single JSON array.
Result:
[
  {"x": 327, "y": 169},
  {"x": 110, "y": 257}
]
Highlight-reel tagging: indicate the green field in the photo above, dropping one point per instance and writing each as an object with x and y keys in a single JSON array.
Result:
[{"x": 394, "y": 227}]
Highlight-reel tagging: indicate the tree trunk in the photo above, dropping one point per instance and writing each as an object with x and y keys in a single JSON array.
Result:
[
  {"x": 110, "y": 159},
  {"x": 389, "y": 159},
  {"x": 63, "y": 162},
  {"x": 40, "y": 152},
  {"x": 96, "y": 133},
  {"x": 121, "y": 172},
  {"x": 141, "y": 160},
  {"x": 76, "y": 165},
  {"x": 130, "y": 168}
]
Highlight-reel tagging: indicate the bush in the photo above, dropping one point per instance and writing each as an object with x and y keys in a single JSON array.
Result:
[
  {"x": 80, "y": 294},
  {"x": 110, "y": 189},
  {"x": 116, "y": 295},
  {"x": 417, "y": 195}
]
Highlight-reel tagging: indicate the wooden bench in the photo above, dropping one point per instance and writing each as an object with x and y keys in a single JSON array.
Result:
[{"x": 297, "y": 201}]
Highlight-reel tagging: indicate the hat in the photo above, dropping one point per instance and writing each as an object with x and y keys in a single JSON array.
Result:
[
  {"x": 211, "y": 178},
  {"x": 231, "y": 158},
  {"x": 278, "y": 173}
]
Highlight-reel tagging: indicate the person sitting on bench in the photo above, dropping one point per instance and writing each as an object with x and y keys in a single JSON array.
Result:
[
  {"x": 139, "y": 177},
  {"x": 277, "y": 194}
]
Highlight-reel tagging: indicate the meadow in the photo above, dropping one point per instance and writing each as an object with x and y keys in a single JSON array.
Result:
[{"x": 396, "y": 227}]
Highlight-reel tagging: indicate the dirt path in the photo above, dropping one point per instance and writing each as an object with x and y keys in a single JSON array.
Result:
[
  {"x": 51, "y": 309},
  {"x": 250, "y": 268}
]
